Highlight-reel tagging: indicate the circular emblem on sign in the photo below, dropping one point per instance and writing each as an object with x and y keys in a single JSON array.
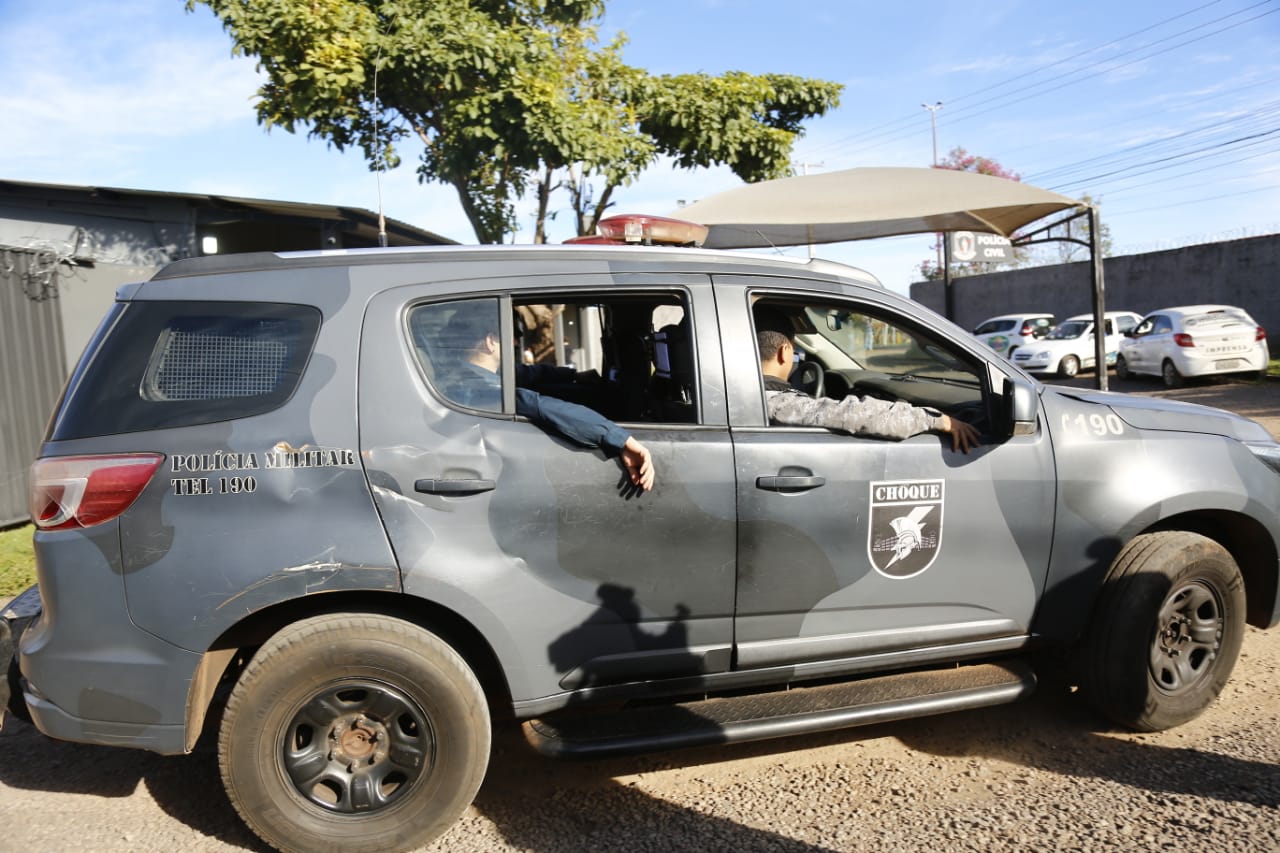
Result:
[{"x": 963, "y": 246}]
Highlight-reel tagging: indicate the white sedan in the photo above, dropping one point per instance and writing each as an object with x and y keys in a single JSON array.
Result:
[
  {"x": 1069, "y": 348},
  {"x": 1194, "y": 340}
]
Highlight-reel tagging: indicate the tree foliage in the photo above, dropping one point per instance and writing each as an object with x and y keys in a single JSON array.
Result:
[{"x": 507, "y": 97}]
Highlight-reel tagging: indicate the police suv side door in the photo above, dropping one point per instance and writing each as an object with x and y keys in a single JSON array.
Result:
[
  {"x": 572, "y": 578},
  {"x": 818, "y": 509}
]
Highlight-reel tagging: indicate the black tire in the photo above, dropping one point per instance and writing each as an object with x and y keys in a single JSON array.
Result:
[
  {"x": 353, "y": 732},
  {"x": 1122, "y": 368},
  {"x": 1169, "y": 373},
  {"x": 1166, "y": 631},
  {"x": 1069, "y": 366}
]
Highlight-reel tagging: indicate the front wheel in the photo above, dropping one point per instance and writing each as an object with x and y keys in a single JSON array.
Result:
[
  {"x": 351, "y": 732},
  {"x": 1122, "y": 368},
  {"x": 1069, "y": 366},
  {"x": 1166, "y": 630}
]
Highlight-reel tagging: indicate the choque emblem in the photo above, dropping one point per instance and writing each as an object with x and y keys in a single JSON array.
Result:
[{"x": 904, "y": 531}]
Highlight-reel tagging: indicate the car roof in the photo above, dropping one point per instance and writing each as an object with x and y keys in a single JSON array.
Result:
[
  {"x": 1111, "y": 315},
  {"x": 1186, "y": 310},
  {"x": 624, "y": 258},
  {"x": 1025, "y": 314}
]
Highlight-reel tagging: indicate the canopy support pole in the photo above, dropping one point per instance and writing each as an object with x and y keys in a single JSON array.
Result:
[
  {"x": 1099, "y": 302},
  {"x": 948, "y": 291}
]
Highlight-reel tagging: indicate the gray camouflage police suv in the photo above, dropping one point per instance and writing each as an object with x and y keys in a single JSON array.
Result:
[{"x": 263, "y": 515}]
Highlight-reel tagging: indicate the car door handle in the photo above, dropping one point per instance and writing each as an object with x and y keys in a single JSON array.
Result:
[
  {"x": 453, "y": 487},
  {"x": 789, "y": 484}
]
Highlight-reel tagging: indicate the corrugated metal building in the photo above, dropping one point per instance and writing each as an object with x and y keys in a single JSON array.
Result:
[{"x": 65, "y": 249}]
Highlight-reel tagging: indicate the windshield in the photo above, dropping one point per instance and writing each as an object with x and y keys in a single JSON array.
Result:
[
  {"x": 844, "y": 338},
  {"x": 1069, "y": 330}
]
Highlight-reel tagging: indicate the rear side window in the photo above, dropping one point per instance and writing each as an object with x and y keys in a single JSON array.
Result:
[
  {"x": 459, "y": 346},
  {"x": 173, "y": 364}
]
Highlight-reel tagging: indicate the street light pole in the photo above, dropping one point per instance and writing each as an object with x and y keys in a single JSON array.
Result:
[{"x": 933, "y": 127}]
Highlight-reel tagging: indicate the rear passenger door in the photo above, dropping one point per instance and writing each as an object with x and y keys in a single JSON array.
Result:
[{"x": 573, "y": 577}]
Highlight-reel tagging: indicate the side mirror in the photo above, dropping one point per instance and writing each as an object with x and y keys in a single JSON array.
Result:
[{"x": 1021, "y": 407}]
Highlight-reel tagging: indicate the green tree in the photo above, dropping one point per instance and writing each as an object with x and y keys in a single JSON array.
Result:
[{"x": 506, "y": 97}]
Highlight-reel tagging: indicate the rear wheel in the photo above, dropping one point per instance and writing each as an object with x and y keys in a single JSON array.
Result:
[
  {"x": 1122, "y": 368},
  {"x": 1069, "y": 366},
  {"x": 353, "y": 733},
  {"x": 1168, "y": 372},
  {"x": 1166, "y": 630}
]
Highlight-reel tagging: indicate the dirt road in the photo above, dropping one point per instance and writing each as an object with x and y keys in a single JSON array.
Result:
[{"x": 1045, "y": 774}]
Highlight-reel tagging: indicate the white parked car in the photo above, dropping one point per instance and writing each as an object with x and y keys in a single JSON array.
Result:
[
  {"x": 1006, "y": 333},
  {"x": 1194, "y": 340},
  {"x": 1070, "y": 348}
]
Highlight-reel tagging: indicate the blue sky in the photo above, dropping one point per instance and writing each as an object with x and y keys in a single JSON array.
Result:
[{"x": 1169, "y": 112}]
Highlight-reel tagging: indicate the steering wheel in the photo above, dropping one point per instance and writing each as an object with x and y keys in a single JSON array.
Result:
[{"x": 808, "y": 377}]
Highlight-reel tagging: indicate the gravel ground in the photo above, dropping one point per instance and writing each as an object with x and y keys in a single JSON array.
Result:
[{"x": 1044, "y": 774}]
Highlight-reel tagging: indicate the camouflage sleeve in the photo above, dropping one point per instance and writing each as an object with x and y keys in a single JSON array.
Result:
[{"x": 856, "y": 415}]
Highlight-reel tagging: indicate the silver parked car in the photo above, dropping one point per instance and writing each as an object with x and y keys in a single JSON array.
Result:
[
  {"x": 1070, "y": 346},
  {"x": 1194, "y": 340},
  {"x": 280, "y": 500}
]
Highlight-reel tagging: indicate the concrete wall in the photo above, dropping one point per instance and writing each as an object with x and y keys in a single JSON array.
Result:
[{"x": 1245, "y": 273}]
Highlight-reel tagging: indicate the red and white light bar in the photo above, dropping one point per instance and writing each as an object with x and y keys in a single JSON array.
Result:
[{"x": 638, "y": 230}]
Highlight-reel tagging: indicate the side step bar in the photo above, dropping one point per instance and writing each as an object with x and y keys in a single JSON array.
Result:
[{"x": 800, "y": 710}]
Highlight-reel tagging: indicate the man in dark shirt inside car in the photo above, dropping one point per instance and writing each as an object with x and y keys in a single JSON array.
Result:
[{"x": 477, "y": 382}]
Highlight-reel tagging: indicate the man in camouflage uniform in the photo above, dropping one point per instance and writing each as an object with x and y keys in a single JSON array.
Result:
[{"x": 857, "y": 415}]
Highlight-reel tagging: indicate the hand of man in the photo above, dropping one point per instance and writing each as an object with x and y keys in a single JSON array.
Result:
[
  {"x": 639, "y": 464},
  {"x": 963, "y": 435}
]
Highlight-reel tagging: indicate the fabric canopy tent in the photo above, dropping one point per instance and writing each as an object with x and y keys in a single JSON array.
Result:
[{"x": 861, "y": 204}]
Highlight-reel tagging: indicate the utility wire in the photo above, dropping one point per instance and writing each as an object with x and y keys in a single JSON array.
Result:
[
  {"x": 965, "y": 113},
  {"x": 913, "y": 118}
]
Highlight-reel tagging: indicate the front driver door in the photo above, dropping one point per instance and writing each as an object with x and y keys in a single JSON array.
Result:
[{"x": 852, "y": 547}]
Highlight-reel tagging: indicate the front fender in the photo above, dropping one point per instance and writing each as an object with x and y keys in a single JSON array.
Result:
[{"x": 1116, "y": 481}]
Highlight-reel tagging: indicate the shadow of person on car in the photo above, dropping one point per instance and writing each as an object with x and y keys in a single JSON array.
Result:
[{"x": 540, "y": 804}]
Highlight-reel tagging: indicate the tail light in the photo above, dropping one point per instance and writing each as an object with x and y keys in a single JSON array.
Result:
[
  {"x": 81, "y": 491},
  {"x": 1027, "y": 329},
  {"x": 1260, "y": 335},
  {"x": 1182, "y": 339}
]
